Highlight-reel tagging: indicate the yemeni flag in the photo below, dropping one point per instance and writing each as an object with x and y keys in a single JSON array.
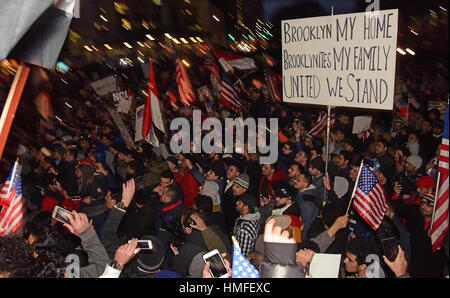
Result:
[
  {"x": 229, "y": 61},
  {"x": 152, "y": 122}
]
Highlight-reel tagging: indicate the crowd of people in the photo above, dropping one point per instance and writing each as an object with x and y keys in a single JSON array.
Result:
[{"x": 188, "y": 204}]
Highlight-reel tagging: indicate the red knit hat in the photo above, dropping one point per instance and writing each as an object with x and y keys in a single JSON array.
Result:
[{"x": 426, "y": 182}]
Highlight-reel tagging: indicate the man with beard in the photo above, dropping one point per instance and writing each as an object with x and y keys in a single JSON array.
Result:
[{"x": 247, "y": 225}]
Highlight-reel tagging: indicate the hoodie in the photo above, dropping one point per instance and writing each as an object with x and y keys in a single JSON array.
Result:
[
  {"x": 265, "y": 186},
  {"x": 211, "y": 189},
  {"x": 246, "y": 231}
]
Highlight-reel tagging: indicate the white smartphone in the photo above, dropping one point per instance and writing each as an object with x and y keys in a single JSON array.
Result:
[
  {"x": 62, "y": 215},
  {"x": 217, "y": 265},
  {"x": 144, "y": 244}
]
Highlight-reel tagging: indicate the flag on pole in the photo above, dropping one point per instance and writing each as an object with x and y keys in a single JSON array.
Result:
[
  {"x": 321, "y": 124},
  {"x": 172, "y": 99},
  {"x": 228, "y": 61},
  {"x": 369, "y": 199},
  {"x": 185, "y": 91},
  {"x": 12, "y": 213},
  {"x": 228, "y": 95},
  {"x": 241, "y": 267},
  {"x": 152, "y": 120},
  {"x": 272, "y": 82},
  {"x": 439, "y": 227},
  {"x": 212, "y": 67}
]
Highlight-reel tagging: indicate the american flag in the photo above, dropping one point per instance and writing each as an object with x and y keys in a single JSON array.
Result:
[
  {"x": 439, "y": 227},
  {"x": 272, "y": 82},
  {"x": 185, "y": 90},
  {"x": 321, "y": 124},
  {"x": 228, "y": 96},
  {"x": 369, "y": 199},
  {"x": 11, "y": 215},
  {"x": 241, "y": 267}
]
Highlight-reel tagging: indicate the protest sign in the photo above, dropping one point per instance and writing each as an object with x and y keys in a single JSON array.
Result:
[
  {"x": 104, "y": 86},
  {"x": 341, "y": 60},
  {"x": 122, "y": 101},
  {"x": 121, "y": 127},
  {"x": 325, "y": 265},
  {"x": 204, "y": 93},
  {"x": 361, "y": 123}
]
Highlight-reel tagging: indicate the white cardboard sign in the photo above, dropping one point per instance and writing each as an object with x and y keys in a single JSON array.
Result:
[{"x": 343, "y": 60}]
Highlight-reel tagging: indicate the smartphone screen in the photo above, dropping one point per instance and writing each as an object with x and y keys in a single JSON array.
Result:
[
  {"x": 390, "y": 248},
  {"x": 62, "y": 215},
  {"x": 145, "y": 244},
  {"x": 217, "y": 265}
]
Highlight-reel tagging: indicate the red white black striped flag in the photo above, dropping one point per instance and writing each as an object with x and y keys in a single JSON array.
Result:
[{"x": 152, "y": 119}]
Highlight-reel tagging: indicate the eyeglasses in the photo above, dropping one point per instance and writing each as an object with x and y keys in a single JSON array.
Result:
[{"x": 427, "y": 202}]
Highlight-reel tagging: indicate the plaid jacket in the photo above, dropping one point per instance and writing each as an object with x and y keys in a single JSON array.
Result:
[{"x": 246, "y": 230}]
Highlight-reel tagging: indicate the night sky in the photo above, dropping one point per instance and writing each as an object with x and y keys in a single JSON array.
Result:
[{"x": 340, "y": 6}]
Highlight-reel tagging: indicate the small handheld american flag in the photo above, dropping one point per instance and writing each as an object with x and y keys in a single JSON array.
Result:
[
  {"x": 11, "y": 215},
  {"x": 369, "y": 198},
  {"x": 241, "y": 267}
]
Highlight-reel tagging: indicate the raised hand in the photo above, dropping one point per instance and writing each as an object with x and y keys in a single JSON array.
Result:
[
  {"x": 128, "y": 189},
  {"x": 199, "y": 223},
  {"x": 78, "y": 223},
  {"x": 126, "y": 252},
  {"x": 275, "y": 235}
]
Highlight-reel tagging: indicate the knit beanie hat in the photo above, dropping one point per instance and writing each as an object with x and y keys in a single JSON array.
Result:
[
  {"x": 218, "y": 170},
  {"x": 426, "y": 182},
  {"x": 151, "y": 260},
  {"x": 429, "y": 196},
  {"x": 415, "y": 160},
  {"x": 248, "y": 200},
  {"x": 242, "y": 180},
  {"x": 173, "y": 160},
  {"x": 318, "y": 163}
]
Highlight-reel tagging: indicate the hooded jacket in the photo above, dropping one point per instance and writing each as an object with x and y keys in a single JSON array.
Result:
[
  {"x": 246, "y": 231},
  {"x": 265, "y": 186},
  {"x": 189, "y": 186},
  {"x": 211, "y": 189}
]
